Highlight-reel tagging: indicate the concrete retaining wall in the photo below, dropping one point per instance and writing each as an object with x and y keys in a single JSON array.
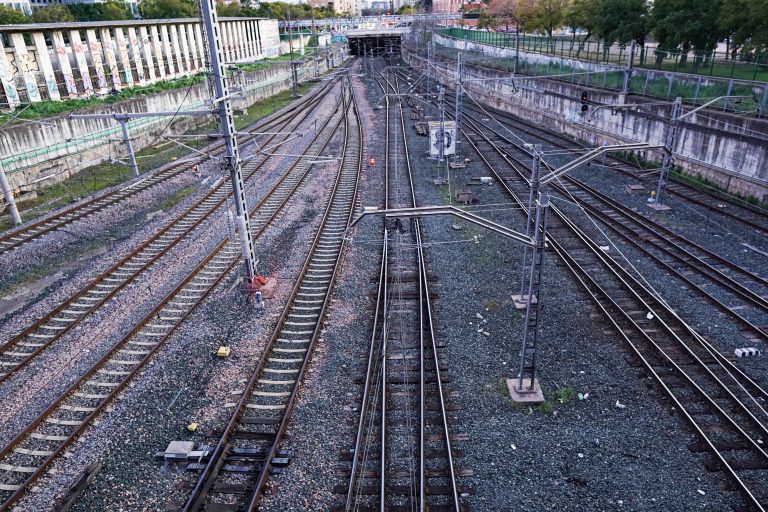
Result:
[
  {"x": 35, "y": 154},
  {"x": 729, "y": 150}
]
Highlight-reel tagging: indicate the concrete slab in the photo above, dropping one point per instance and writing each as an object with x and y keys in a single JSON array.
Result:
[
  {"x": 659, "y": 207},
  {"x": 525, "y": 395},
  {"x": 178, "y": 450},
  {"x": 521, "y": 301}
]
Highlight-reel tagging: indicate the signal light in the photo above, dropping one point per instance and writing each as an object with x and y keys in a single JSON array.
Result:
[{"x": 584, "y": 100}]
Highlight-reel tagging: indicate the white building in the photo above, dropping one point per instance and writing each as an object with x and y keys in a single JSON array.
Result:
[{"x": 20, "y": 5}]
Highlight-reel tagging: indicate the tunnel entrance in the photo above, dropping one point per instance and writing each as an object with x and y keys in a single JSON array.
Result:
[{"x": 375, "y": 44}]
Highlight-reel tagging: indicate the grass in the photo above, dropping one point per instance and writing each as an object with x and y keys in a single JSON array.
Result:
[
  {"x": 178, "y": 196},
  {"x": 565, "y": 47},
  {"x": 107, "y": 174},
  {"x": 52, "y": 108}
]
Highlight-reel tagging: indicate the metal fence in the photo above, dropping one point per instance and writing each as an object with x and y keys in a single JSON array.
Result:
[
  {"x": 753, "y": 66},
  {"x": 665, "y": 85}
]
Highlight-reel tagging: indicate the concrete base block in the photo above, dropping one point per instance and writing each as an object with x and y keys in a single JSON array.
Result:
[
  {"x": 440, "y": 181},
  {"x": 521, "y": 301},
  {"x": 525, "y": 395},
  {"x": 457, "y": 166},
  {"x": 659, "y": 207}
]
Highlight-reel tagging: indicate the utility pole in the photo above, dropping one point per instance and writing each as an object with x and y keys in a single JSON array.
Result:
[
  {"x": 231, "y": 160},
  {"x": 670, "y": 138},
  {"x": 429, "y": 68},
  {"x": 294, "y": 75},
  {"x": 533, "y": 195},
  {"x": 532, "y": 392},
  {"x": 457, "y": 161},
  {"x": 123, "y": 120},
  {"x": 10, "y": 201},
  {"x": 441, "y": 131}
]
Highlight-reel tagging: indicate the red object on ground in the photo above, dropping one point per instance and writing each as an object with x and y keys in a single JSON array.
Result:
[
  {"x": 372, "y": 162},
  {"x": 260, "y": 279}
]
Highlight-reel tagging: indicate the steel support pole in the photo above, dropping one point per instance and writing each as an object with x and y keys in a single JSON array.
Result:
[
  {"x": 459, "y": 94},
  {"x": 231, "y": 160},
  {"x": 441, "y": 131},
  {"x": 533, "y": 304},
  {"x": 128, "y": 146},
  {"x": 429, "y": 67},
  {"x": 533, "y": 195},
  {"x": 670, "y": 139},
  {"x": 10, "y": 201}
]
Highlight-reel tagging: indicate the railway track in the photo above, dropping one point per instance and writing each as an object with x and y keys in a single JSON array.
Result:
[
  {"x": 234, "y": 477},
  {"x": 21, "y": 349},
  {"x": 26, "y": 458},
  {"x": 724, "y": 407},
  {"x": 403, "y": 458},
  {"x": 733, "y": 208},
  {"x": 36, "y": 229},
  {"x": 734, "y": 290}
]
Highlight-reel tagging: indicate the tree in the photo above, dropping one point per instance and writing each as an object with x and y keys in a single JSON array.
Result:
[
  {"x": 687, "y": 24},
  {"x": 167, "y": 9},
  {"x": 9, "y": 16},
  {"x": 486, "y": 20},
  {"x": 233, "y": 10},
  {"x": 110, "y": 10},
  {"x": 406, "y": 9},
  {"x": 52, "y": 14},
  {"x": 745, "y": 24},
  {"x": 549, "y": 15},
  {"x": 511, "y": 12},
  {"x": 622, "y": 21},
  {"x": 581, "y": 15}
]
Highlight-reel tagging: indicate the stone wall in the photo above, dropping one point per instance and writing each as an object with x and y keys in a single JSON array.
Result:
[
  {"x": 729, "y": 150},
  {"x": 36, "y": 153}
]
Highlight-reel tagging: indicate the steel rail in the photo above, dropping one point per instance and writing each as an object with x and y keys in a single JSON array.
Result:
[
  {"x": 45, "y": 331},
  {"x": 625, "y": 279},
  {"x": 342, "y": 196},
  {"x": 677, "y": 188},
  {"x": 228, "y": 256},
  {"x": 36, "y": 229}
]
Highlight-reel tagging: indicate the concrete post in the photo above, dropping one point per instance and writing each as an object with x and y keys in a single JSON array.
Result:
[
  {"x": 226, "y": 38},
  {"x": 147, "y": 47},
  {"x": 177, "y": 50},
  {"x": 22, "y": 57},
  {"x": 109, "y": 52},
  {"x": 9, "y": 199},
  {"x": 242, "y": 40},
  {"x": 170, "y": 59},
  {"x": 135, "y": 54},
  {"x": 761, "y": 110},
  {"x": 193, "y": 53},
  {"x": 123, "y": 56},
  {"x": 57, "y": 38},
  {"x": 184, "y": 47},
  {"x": 157, "y": 49},
  {"x": 96, "y": 49},
  {"x": 44, "y": 65},
  {"x": 6, "y": 77}
]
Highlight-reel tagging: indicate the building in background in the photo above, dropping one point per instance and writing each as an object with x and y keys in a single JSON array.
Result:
[
  {"x": 446, "y": 6},
  {"x": 20, "y": 5}
]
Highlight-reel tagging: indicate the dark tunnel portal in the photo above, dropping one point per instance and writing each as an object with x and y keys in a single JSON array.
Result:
[{"x": 378, "y": 45}]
